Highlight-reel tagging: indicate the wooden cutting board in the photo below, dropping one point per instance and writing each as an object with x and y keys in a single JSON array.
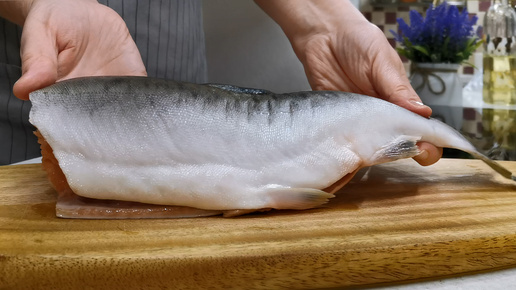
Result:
[{"x": 395, "y": 222}]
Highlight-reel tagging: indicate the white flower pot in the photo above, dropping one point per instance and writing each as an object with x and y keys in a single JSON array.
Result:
[
  {"x": 439, "y": 86},
  {"x": 437, "y": 83}
]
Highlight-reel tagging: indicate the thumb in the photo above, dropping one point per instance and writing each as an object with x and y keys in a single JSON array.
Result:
[
  {"x": 393, "y": 84},
  {"x": 39, "y": 59},
  {"x": 403, "y": 95}
]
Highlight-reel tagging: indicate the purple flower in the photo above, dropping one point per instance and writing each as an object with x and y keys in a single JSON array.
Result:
[{"x": 444, "y": 35}]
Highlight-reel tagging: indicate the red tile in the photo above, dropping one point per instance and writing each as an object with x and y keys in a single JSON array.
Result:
[
  {"x": 392, "y": 42},
  {"x": 368, "y": 16},
  {"x": 469, "y": 114},
  {"x": 484, "y": 5},
  {"x": 390, "y": 17},
  {"x": 468, "y": 70}
]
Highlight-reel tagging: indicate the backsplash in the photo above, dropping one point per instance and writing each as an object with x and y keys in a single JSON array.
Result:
[{"x": 385, "y": 18}]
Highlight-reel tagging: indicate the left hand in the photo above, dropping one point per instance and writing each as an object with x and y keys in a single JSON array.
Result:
[
  {"x": 364, "y": 63},
  {"x": 342, "y": 51}
]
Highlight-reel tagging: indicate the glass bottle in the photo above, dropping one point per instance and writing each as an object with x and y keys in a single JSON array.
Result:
[
  {"x": 500, "y": 54},
  {"x": 499, "y": 133}
]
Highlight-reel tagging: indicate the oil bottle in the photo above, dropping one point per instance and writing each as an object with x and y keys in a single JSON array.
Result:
[{"x": 500, "y": 54}]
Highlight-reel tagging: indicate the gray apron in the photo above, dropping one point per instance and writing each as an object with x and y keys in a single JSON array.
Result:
[{"x": 169, "y": 35}]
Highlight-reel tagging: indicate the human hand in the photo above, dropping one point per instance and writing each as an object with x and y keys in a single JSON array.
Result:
[
  {"x": 341, "y": 50},
  {"x": 364, "y": 63},
  {"x": 63, "y": 39}
]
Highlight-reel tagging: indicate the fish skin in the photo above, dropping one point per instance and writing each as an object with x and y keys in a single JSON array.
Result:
[{"x": 220, "y": 147}]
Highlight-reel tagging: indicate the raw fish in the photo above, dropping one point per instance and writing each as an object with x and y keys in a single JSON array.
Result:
[{"x": 215, "y": 148}]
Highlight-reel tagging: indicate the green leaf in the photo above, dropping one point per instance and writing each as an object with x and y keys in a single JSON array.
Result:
[
  {"x": 445, "y": 50},
  {"x": 421, "y": 49},
  {"x": 436, "y": 57},
  {"x": 470, "y": 64},
  {"x": 460, "y": 56},
  {"x": 471, "y": 47},
  {"x": 404, "y": 52}
]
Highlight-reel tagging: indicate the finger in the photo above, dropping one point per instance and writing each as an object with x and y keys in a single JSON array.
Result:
[
  {"x": 405, "y": 96},
  {"x": 397, "y": 90},
  {"x": 429, "y": 154},
  {"x": 392, "y": 83},
  {"x": 38, "y": 75},
  {"x": 39, "y": 59}
]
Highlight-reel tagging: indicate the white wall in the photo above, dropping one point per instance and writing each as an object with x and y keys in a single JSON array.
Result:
[{"x": 246, "y": 48}]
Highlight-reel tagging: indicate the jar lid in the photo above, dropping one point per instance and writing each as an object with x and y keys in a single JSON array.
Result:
[{"x": 500, "y": 21}]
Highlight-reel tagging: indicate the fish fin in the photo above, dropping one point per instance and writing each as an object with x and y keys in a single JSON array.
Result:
[
  {"x": 287, "y": 198},
  {"x": 341, "y": 182},
  {"x": 402, "y": 147},
  {"x": 494, "y": 165},
  {"x": 297, "y": 198},
  {"x": 239, "y": 212},
  {"x": 240, "y": 90}
]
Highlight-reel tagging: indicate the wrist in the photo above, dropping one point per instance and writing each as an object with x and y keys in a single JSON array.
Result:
[
  {"x": 313, "y": 20},
  {"x": 15, "y": 11}
]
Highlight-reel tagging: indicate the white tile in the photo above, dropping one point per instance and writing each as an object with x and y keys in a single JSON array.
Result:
[
  {"x": 404, "y": 15},
  {"x": 480, "y": 16},
  {"x": 378, "y": 17},
  {"x": 388, "y": 27},
  {"x": 419, "y": 9},
  {"x": 472, "y": 6},
  {"x": 366, "y": 8},
  {"x": 406, "y": 65},
  {"x": 391, "y": 9}
]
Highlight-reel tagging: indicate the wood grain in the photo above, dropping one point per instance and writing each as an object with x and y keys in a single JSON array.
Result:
[{"x": 395, "y": 222}]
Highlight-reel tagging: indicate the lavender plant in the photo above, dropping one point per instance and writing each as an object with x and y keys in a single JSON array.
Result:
[{"x": 445, "y": 35}]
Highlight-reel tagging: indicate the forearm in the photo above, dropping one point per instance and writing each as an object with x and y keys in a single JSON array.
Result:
[
  {"x": 306, "y": 22},
  {"x": 15, "y": 11},
  {"x": 306, "y": 17}
]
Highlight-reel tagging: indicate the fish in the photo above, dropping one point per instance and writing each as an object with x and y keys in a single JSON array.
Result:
[{"x": 141, "y": 147}]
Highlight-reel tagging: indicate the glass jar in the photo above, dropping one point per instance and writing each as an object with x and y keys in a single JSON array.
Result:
[{"x": 499, "y": 54}]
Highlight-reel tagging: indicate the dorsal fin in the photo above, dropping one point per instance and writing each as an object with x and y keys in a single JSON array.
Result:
[{"x": 240, "y": 90}]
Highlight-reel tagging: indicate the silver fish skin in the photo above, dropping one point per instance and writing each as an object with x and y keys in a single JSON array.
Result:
[{"x": 220, "y": 147}]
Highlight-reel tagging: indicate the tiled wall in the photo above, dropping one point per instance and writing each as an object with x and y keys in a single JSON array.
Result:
[{"x": 385, "y": 18}]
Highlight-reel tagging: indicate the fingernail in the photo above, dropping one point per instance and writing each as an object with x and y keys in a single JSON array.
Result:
[
  {"x": 423, "y": 154},
  {"x": 417, "y": 103}
]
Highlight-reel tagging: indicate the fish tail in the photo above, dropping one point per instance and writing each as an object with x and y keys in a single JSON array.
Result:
[
  {"x": 451, "y": 138},
  {"x": 494, "y": 165}
]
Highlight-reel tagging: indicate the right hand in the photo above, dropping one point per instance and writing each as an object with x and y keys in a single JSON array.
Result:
[{"x": 64, "y": 39}]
